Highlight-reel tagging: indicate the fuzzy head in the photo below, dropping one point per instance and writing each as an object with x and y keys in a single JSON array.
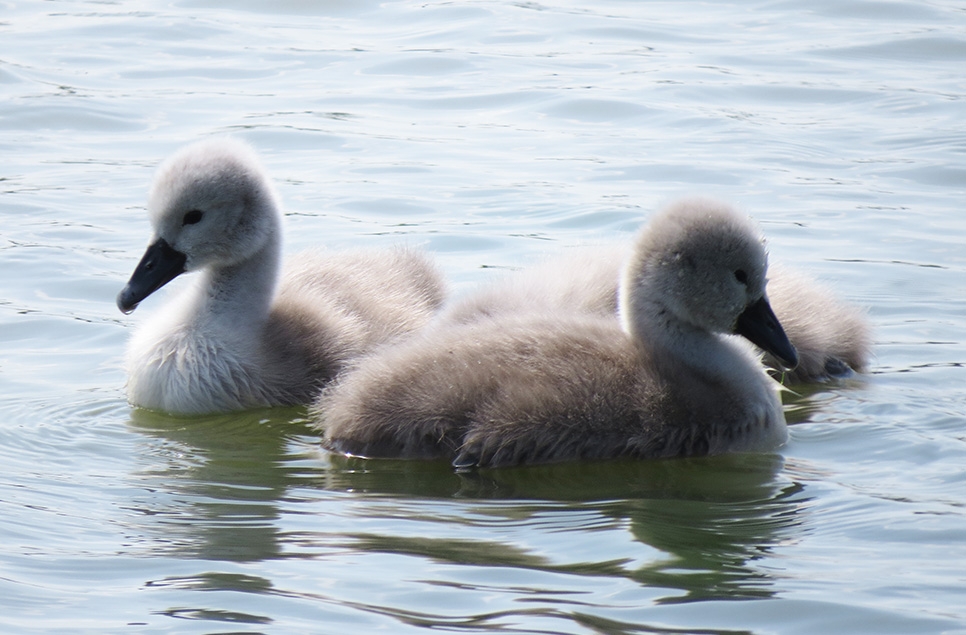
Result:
[
  {"x": 212, "y": 202},
  {"x": 701, "y": 262}
]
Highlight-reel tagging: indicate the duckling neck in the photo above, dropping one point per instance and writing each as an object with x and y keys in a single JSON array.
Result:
[
  {"x": 673, "y": 344},
  {"x": 679, "y": 344},
  {"x": 239, "y": 296}
]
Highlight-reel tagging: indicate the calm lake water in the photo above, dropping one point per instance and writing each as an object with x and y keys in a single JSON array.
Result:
[{"x": 489, "y": 132}]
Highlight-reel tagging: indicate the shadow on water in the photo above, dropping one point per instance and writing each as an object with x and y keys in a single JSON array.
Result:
[
  {"x": 219, "y": 480},
  {"x": 225, "y": 483}
]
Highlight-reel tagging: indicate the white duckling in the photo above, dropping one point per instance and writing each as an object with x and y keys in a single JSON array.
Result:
[
  {"x": 669, "y": 380},
  {"x": 243, "y": 337},
  {"x": 832, "y": 337}
]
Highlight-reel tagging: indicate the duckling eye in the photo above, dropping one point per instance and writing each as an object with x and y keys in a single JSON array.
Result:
[
  {"x": 192, "y": 217},
  {"x": 741, "y": 276}
]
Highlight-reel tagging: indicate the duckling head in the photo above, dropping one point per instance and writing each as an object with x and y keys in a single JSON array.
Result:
[
  {"x": 701, "y": 265},
  {"x": 210, "y": 205}
]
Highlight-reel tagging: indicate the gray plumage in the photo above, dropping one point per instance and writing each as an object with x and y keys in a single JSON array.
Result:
[
  {"x": 244, "y": 335},
  {"x": 832, "y": 337},
  {"x": 560, "y": 385}
]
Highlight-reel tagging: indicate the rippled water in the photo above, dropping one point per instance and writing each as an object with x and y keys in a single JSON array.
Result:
[{"x": 488, "y": 132}]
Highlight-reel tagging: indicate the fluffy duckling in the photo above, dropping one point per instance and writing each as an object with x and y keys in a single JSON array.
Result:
[
  {"x": 832, "y": 337},
  {"x": 669, "y": 379},
  {"x": 243, "y": 336}
]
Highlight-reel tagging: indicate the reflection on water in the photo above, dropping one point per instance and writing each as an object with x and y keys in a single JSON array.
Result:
[
  {"x": 219, "y": 480},
  {"x": 709, "y": 520},
  {"x": 802, "y": 401},
  {"x": 228, "y": 489}
]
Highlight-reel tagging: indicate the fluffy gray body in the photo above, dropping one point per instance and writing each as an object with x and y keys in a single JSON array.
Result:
[{"x": 668, "y": 379}]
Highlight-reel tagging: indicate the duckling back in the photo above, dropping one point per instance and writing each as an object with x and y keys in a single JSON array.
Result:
[
  {"x": 334, "y": 307},
  {"x": 584, "y": 280}
]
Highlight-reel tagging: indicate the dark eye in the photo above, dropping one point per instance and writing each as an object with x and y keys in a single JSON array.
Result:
[
  {"x": 741, "y": 276},
  {"x": 192, "y": 217}
]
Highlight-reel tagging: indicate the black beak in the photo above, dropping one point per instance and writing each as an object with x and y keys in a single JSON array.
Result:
[
  {"x": 760, "y": 326},
  {"x": 160, "y": 265}
]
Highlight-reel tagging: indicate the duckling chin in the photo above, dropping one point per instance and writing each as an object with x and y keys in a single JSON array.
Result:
[
  {"x": 244, "y": 335},
  {"x": 671, "y": 378}
]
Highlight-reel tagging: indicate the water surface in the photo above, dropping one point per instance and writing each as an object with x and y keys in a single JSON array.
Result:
[{"x": 489, "y": 133}]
